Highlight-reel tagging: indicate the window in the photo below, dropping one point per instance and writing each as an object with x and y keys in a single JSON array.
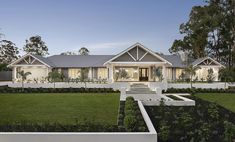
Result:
[
  {"x": 102, "y": 73},
  {"x": 131, "y": 74},
  {"x": 74, "y": 73}
]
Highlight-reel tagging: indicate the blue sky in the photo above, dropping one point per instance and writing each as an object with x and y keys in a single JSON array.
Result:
[{"x": 103, "y": 26}]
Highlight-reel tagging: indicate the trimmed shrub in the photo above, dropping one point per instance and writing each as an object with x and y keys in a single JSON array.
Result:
[
  {"x": 6, "y": 89},
  {"x": 130, "y": 123},
  {"x": 133, "y": 120}
]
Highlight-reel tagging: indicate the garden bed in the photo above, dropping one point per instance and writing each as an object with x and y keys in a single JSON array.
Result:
[
  {"x": 204, "y": 122},
  {"x": 130, "y": 118}
]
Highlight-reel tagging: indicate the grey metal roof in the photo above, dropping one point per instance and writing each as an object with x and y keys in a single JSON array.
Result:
[
  {"x": 65, "y": 61},
  {"x": 175, "y": 60}
]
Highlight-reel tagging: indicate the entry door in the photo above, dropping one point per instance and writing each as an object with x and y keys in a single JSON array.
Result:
[{"x": 143, "y": 74}]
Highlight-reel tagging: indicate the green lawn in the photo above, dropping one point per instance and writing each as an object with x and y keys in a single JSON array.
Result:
[
  {"x": 64, "y": 108},
  {"x": 223, "y": 99}
]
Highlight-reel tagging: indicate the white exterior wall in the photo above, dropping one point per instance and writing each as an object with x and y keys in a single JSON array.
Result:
[
  {"x": 203, "y": 72},
  {"x": 37, "y": 72}
]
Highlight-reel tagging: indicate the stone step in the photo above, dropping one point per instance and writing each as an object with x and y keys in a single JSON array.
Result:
[
  {"x": 140, "y": 92},
  {"x": 139, "y": 89},
  {"x": 139, "y": 86}
]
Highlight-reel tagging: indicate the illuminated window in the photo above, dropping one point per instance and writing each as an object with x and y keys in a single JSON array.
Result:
[{"x": 74, "y": 73}]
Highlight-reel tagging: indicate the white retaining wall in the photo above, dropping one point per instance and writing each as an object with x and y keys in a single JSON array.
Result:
[
  {"x": 171, "y": 102},
  {"x": 116, "y": 85},
  {"x": 150, "y": 136},
  {"x": 218, "y": 85}
]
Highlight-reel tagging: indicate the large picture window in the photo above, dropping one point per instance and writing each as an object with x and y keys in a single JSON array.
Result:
[
  {"x": 74, "y": 73},
  {"x": 126, "y": 74}
]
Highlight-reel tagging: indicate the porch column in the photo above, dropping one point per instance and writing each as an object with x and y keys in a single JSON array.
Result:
[
  {"x": 90, "y": 73},
  {"x": 14, "y": 74},
  {"x": 164, "y": 73},
  {"x": 110, "y": 67}
]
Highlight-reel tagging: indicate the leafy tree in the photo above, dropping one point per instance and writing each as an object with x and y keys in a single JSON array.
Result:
[
  {"x": 23, "y": 76},
  {"x": 191, "y": 70},
  {"x": 84, "y": 75},
  {"x": 210, "y": 31},
  {"x": 84, "y": 51},
  {"x": 54, "y": 76},
  {"x": 36, "y": 46},
  {"x": 8, "y": 52},
  {"x": 227, "y": 75},
  {"x": 210, "y": 75}
]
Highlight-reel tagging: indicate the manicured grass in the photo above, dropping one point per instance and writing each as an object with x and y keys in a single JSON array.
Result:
[
  {"x": 64, "y": 108},
  {"x": 223, "y": 99}
]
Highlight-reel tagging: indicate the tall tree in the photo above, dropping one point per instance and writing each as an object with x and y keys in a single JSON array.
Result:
[
  {"x": 36, "y": 46},
  {"x": 8, "y": 52},
  {"x": 84, "y": 51},
  {"x": 210, "y": 31}
]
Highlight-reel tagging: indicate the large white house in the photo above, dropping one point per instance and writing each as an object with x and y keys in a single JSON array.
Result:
[{"x": 138, "y": 62}]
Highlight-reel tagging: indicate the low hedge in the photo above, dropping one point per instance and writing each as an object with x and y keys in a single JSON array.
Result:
[
  {"x": 57, "y": 127},
  {"x": 133, "y": 120},
  {"x": 197, "y": 90},
  {"x": 6, "y": 89}
]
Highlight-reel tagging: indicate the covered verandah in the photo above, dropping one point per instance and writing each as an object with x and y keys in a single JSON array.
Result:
[{"x": 136, "y": 72}]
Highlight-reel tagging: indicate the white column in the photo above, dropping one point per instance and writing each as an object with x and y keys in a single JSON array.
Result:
[
  {"x": 110, "y": 67},
  {"x": 14, "y": 72},
  {"x": 164, "y": 73},
  {"x": 90, "y": 73}
]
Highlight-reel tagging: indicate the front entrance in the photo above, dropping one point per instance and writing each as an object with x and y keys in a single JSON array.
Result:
[{"x": 143, "y": 74}]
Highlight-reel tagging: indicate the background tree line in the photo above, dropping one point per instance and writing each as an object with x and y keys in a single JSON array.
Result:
[
  {"x": 34, "y": 45},
  {"x": 210, "y": 31}
]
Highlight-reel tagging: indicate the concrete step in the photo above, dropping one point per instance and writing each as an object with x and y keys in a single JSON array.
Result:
[
  {"x": 140, "y": 89},
  {"x": 140, "y": 92},
  {"x": 139, "y": 86}
]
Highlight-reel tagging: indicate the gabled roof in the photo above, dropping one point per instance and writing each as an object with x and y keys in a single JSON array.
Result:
[
  {"x": 64, "y": 61},
  {"x": 45, "y": 60},
  {"x": 141, "y": 46},
  {"x": 200, "y": 60},
  {"x": 41, "y": 59}
]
